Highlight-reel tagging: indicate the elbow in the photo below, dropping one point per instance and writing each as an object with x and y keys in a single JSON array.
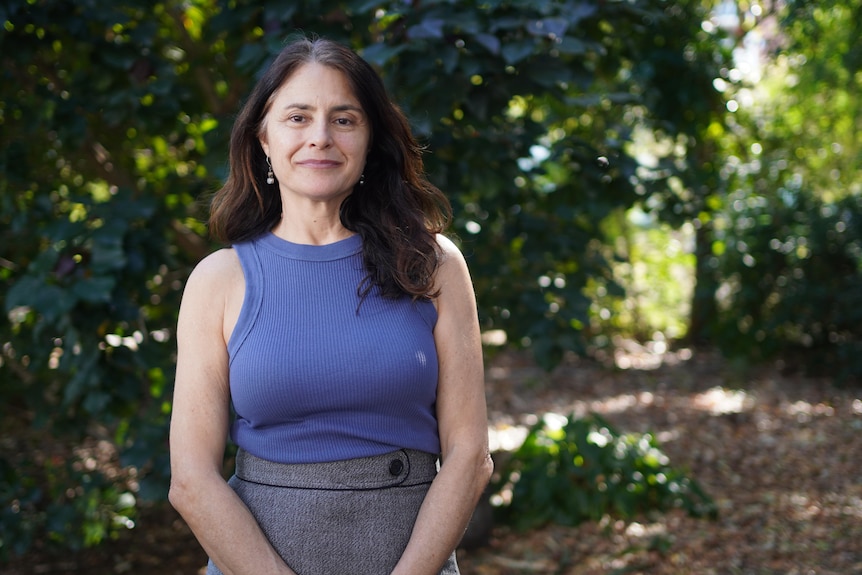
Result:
[
  {"x": 487, "y": 468},
  {"x": 483, "y": 471},
  {"x": 182, "y": 495},
  {"x": 177, "y": 496},
  {"x": 193, "y": 487},
  {"x": 475, "y": 464}
]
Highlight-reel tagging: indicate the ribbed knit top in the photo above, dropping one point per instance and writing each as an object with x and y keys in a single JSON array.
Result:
[{"x": 314, "y": 375}]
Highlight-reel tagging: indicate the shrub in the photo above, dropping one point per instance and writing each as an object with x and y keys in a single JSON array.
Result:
[
  {"x": 585, "y": 469},
  {"x": 793, "y": 270}
]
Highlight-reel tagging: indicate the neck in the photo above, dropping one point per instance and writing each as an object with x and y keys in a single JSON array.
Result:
[{"x": 319, "y": 229}]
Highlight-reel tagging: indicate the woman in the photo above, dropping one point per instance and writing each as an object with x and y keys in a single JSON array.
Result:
[{"x": 341, "y": 326}]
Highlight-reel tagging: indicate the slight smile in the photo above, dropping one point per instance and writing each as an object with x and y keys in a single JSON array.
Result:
[{"x": 319, "y": 163}]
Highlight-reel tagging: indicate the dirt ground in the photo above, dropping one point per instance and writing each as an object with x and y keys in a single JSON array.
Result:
[{"x": 781, "y": 455}]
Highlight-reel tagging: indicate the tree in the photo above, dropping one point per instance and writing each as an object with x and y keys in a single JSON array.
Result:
[
  {"x": 115, "y": 122},
  {"x": 790, "y": 231}
]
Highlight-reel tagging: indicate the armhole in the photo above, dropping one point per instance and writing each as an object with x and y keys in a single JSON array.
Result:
[
  {"x": 252, "y": 298},
  {"x": 428, "y": 311}
]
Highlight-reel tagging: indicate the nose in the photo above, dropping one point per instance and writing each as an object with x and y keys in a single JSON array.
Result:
[{"x": 320, "y": 136}]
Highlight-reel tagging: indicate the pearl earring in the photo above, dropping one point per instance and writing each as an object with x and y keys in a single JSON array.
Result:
[
  {"x": 270, "y": 177},
  {"x": 362, "y": 179}
]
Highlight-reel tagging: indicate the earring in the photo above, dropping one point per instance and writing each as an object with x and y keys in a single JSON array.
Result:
[
  {"x": 270, "y": 177},
  {"x": 362, "y": 179}
]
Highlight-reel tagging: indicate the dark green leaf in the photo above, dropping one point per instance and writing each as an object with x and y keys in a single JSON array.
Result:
[{"x": 429, "y": 28}]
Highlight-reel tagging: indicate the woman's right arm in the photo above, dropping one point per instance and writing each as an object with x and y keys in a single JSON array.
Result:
[{"x": 200, "y": 420}]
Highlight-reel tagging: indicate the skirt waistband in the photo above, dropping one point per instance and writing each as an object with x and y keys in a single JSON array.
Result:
[{"x": 401, "y": 468}]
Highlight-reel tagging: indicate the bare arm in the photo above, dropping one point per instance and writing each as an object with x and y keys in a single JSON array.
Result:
[
  {"x": 462, "y": 419},
  {"x": 199, "y": 425}
]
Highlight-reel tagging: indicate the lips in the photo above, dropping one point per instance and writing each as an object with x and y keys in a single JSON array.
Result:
[{"x": 319, "y": 163}]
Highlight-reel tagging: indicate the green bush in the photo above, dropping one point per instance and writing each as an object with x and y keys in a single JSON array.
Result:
[
  {"x": 584, "y": 470},
  {"x": 793, "y": 287},
  {"x": 61, "y": 503}
]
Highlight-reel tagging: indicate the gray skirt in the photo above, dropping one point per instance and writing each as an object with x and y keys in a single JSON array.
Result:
[{"x": 350, "y": 517}]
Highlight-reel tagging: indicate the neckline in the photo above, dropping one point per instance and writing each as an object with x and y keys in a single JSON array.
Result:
[{"x": 308, "y": 252}]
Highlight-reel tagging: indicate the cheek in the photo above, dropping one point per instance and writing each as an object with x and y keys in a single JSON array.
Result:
[
  {"x": 363, "y": 146},
  {"x": 283, "y": 142}
]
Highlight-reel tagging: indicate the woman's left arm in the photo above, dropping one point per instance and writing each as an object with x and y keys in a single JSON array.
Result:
[{"x": 466, "y": 464}]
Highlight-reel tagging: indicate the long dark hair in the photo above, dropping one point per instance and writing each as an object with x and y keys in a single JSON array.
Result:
[{"x": 397, "y": 211}]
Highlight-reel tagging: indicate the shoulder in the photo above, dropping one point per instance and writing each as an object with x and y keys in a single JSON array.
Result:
[
  {"x": 211, "y": 294},
  {"x": 214, "y": 276},
  {"x": 219, "y": 265},
  {"x": 448, "y": 250},
  {"x": 452, "y": 278}
]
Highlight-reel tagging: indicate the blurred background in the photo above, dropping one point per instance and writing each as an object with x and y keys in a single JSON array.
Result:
[{"x": 665, "y": 175}]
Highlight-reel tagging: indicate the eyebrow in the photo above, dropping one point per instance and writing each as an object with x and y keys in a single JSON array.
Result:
[{"x": 339, "y": 108}]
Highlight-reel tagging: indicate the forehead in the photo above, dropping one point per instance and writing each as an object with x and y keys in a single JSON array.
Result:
[{"x": 315, "y": 83}]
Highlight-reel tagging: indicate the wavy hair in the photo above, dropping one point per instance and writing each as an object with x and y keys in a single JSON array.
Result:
[{"x": 397, "y": 211}]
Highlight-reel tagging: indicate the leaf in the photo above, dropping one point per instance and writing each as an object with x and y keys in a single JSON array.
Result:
[
  {"x": 515, "y": 52},
  {"x": 429, "y": 28},
  {"x": 381, "y": 54},
  {"x": 449, "y": 59},
  {"x": 363, "y": 6},
  {"x": 94, "y": 290},
  {"x": 49, "y": 300},
  {"x": 489, "y": 42},
  {"x": 250, "y": 56},
  {"x": 548, "y": 73},
  {"x": 548, "y": 27},
  {"x": 572, "y": 46},
  {"x": 581, "y": 11},
  {"x": 280, "y": 12},
  {"x": 96, "y": 401},
  {"x": 85, "y": 378},
  {"x": 107, "y": 254}
]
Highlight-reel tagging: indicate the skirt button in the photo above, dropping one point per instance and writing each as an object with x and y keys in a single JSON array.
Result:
[{"x": 396, "y": 466}]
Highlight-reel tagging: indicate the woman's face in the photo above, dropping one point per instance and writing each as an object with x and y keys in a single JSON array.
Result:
[{"x": 316, "y": 135}]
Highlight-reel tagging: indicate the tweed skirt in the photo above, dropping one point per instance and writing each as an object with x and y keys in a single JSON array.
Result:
[{"x": 350, "y": 517}]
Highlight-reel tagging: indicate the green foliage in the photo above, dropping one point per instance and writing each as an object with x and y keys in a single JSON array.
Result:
[
  {"x": 793, "y": 287},
  {"x": 582, "y": 469},
  {"x": 115, "y": 119},
  {"x": 788, "y": 243},
  {"x": 529, "y": 140},
  {"x": 656, "y": 271},
  {"x": 94, "y": 204},
  {"x": 68, "y": 501}
]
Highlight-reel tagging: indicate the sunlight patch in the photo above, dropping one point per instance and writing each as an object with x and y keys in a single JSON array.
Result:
[
  {"x": 804, "y": 411},
  {"x": 506, "y": 437},
  {"x": 719, "y": 401}
]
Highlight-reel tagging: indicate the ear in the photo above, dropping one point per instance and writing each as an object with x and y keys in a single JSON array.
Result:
[{"x": 264, "y": 144}]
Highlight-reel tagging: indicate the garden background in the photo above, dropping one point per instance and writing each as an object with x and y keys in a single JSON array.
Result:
[{"x": 661, "y": 207}]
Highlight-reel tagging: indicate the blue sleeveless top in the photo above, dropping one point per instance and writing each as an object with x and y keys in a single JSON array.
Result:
[{"x": 314, "y": 375}]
